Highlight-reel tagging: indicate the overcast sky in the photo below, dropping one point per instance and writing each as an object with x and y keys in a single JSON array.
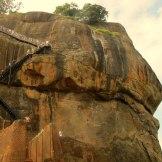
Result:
[{"x": 141, "y": 18}]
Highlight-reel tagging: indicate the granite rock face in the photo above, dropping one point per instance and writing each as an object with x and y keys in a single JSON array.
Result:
[{"x": 93, "y": 97}]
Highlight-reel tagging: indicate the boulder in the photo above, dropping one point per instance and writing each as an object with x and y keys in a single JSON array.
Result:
[{"x": 93, "y": 95}]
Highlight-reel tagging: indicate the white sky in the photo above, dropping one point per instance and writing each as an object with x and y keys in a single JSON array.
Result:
[{"x": 141, "y": 18}]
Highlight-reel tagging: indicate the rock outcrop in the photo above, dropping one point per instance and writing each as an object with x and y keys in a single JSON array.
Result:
[{"x": 92, "y": 98}]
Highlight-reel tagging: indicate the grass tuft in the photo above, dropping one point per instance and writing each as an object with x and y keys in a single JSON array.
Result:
[{"x": 104, "y": 31}]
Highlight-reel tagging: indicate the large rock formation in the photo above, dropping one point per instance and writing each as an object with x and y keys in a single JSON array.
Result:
[{"x": 91, "y": 99}]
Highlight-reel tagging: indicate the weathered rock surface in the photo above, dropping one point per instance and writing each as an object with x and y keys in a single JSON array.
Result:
[
  {"x": 13, "y": 140},
  {"x": 95, "y": 89}
]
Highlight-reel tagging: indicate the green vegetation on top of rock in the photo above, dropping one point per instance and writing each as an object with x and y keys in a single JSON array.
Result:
[
  {"x": 90, "y": 14},
  {"x": 93, "y": 14},
  {"x": 67, "y": 9}
]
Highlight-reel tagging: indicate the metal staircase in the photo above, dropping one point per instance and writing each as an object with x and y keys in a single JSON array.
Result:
[{"x": 7, "y": 75}]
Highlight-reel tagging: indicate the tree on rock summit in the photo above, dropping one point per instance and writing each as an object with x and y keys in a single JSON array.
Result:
[
  {"x": 89, "y": 14},
  {"x": 67, "y": 9},
  {"x": 92, "y": 14}
]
